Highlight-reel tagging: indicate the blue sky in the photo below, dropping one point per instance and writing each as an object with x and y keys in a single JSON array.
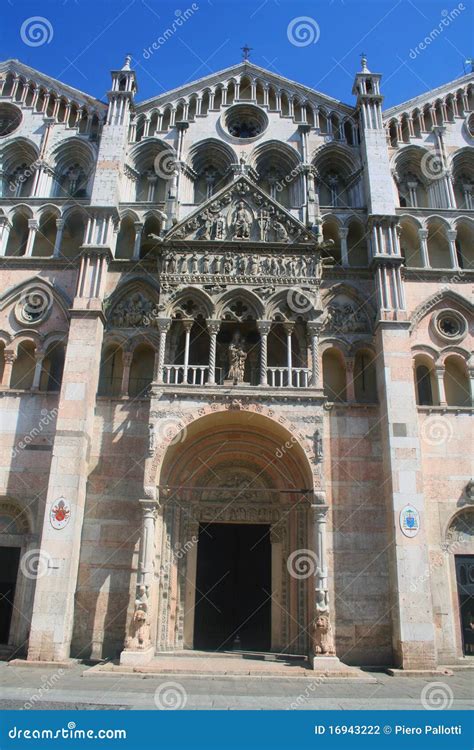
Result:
[{"x": 83, "y": 40}]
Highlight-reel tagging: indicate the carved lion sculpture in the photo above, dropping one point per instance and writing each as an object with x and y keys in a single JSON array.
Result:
[
  {"x": 322, "y": 636},
  {"x": 139, "y": 631}
]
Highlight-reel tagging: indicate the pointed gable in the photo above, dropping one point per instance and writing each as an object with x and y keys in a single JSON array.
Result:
[{"x": 241, "y": 212}]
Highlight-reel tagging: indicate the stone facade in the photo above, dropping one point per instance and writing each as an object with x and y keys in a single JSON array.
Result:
[{"x": 243, "y": 302}]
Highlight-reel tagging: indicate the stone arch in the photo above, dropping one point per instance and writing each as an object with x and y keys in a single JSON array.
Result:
[
  {"x": 177, "y": 427},
  {"x": 435, "y": 299}
]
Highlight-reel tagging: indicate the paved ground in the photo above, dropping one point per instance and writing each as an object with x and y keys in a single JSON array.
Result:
[{"x": 28, "y": 687}]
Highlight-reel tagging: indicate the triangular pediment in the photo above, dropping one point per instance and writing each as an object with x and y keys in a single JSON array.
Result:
[
  {"x": 298, "y": 90},
  {"x": 243, "y": 213}
]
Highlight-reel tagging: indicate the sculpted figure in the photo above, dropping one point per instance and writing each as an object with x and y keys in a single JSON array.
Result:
[
  {"x": 322, "y": 638},
  {"x": 227, "y": 263},
  {"x": 205, "y": 264},
  {"x": 139, "y": 637},
  {"x": 281, "y": 235},
  {"x": 237, "y": 357},
  {"x": 242, "y": 222},
  {"x": 219, "y": 227}
]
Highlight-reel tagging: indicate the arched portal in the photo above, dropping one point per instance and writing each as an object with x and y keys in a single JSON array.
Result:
[{"x": 235, "y": 491}]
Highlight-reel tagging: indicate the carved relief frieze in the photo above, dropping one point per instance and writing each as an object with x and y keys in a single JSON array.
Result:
[{"x": 219, "y": 269}]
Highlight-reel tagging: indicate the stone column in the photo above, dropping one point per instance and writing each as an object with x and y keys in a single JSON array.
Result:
[
  {"x": 126, "y": 364},
  {"x": 33, "y": 228},
  {"x": 452, "y": 248},
  {"x": 350, "y": 386},
  {"x": 289, "y": 355},
  {"x": 188, "y": 324},
  {"x": 264, "y": 327},
  {"x": 4, "y": 233},
  {"x": 9, "y": 359},
  {"x": 213, "y": 327},
  {"x": 59, "y": 237},
  {"x": 139, "y": 648},
  {"x": 314, "y": 329},
  {"x": 425, "y": 258},
  {"x": 439, "y": 375},
  {"x": 164, "y": 325},
  {"x": 39, "y": 357},
  {"x": 343, "y": 232},
  {"x": 138, "y": 239},
  {"x": 323, "y": 653}
]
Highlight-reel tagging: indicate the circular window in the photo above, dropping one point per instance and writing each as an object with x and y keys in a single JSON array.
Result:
[
  {"x": 470, "y": 125},
  {"x": 450, "y": 325},
  {"x": 10, "y": 118},
  {"x": 245, "y": 122}
]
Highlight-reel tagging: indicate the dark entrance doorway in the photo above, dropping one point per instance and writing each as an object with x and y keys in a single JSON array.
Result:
[
  {"x": 9, "y": 562},
  {"x": 233, "y": 586},
  {"x": 465, "y": 579}
]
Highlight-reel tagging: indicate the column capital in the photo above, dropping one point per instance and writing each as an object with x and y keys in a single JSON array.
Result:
[
  {"x": 187, "y": 323},
  {"x": 164, "y": 324},
  {"x": 451, "y": 234},
  {"x": 343, "y": 232},
  {"x": 127, "y": 358},
  {"x": 289, "y": 326},
  {"x": 213, "y": 326},
  {"x": 9, "y": 356},
  {"x": 264, "y": 326},
  {"x": 314, "y": 327},
  {"x": 149, "y": 506}
]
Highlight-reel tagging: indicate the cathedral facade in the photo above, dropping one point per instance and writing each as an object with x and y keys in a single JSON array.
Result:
[{"x": 237, "y": 379}]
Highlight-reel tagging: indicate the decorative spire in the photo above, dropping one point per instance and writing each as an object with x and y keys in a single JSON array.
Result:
[
  {"x": 128, "y": 60},
  {"x": 246, "y": 50},
  {"x": 363, "y": 62}
]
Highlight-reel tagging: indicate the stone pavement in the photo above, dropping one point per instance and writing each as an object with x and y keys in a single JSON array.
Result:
[{"x": 51, "y": 688}]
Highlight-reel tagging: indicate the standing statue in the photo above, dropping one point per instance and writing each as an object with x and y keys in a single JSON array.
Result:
[
  {"x": 219, "y": 227},
  {"x": 237, "y": 357},
  {"x": 242, "y": 222},
  {"x": 281, "y": 235},
  {"x": 205, "y": 264},
  {"x": 139, "y": 637}
]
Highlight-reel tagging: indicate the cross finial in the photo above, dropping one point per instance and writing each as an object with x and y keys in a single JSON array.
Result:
[{"x": 246, "y": 50}]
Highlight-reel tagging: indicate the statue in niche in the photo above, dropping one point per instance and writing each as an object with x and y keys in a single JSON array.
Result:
[
  {"x": 254, "y": 265},
  {"x": 206, "y": 229},
  {"x": 227, "y": 263},
  {"x": 219, "y": 227},
  {"x": 242, "y": 222},
  {"x": 237, "y": 356},
  {"x": 183, "y": 264},
  {"x": 206, "y": 264},
  {"x": 318, "y": 444},
  {"x": 171, "y": 265},
  {"x": 242, "y": 264},
  {"x": 281, "y": 235},
  {"x": 194, "y": 268}
]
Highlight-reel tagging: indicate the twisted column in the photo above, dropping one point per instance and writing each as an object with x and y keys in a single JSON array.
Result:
[
  {"x": 164, "y": 325},
  {"x": 264, "y": 327},
  {"x": 313, "y": 333},
  {"x": 213, "y": 327}
]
